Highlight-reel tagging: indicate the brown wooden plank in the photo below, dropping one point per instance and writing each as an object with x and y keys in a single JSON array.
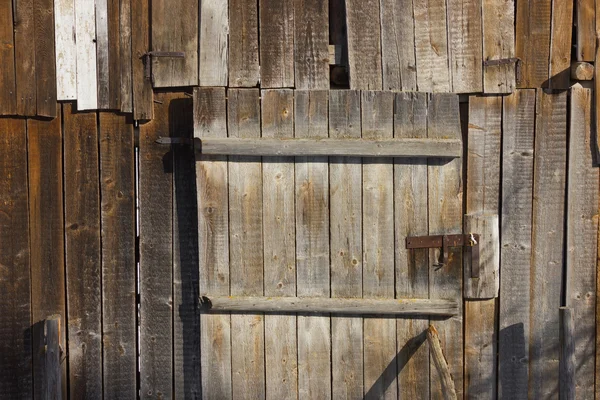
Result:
[
  {"x": 481, "y": 338},
  {"x": 99, "y": 34},
  {"x": 243, "y": 43},
  {"x": 25, "y": 57},
  {"x": 585, "y": 21},
  {"x": 46, "y": 224},
  {"x": 143, "y": 104},
  {"x": 8, "y": 86},
  {"x": 560, "y": 45},
  {"x": 119, "y": 276},
  {"x": 498, "y": 19},
  {"x": 210, "y": 119},
  {"x": 125, "y": 47},
  {"x": 533, "y": 41},
  {"x": 47, "y": 351},
  {"x": 582, "y": 238},
  {"x": 276, "y": 21},
  {"x": 214, "y": 30},
  {"x": 279, "y": 232},
  {"x": 83, "y": 261},
  {"x": 311, "y": 44},
  {"x": 114, "y": 51},
  {"x": 312, "y": 247},
  {"x": 156, "y": 252},
  {"x": 15, "y": 292},
  {"x": 45, "y": 66},
  {"x": 517, "y": 191}
]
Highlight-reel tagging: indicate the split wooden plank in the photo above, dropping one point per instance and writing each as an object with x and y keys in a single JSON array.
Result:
[
  {"x": 125, "y": 56},
  {"x": 214, "y": 30},
  {"x": 465, "y": 41},
  {"x": 560, "y": 44},
  {"x": 533, "y": 28},
  {"x": 210, "y": 120},
  {"x": 85, "y": 31},
  {"x": 244, "y": 70},
  {"x": 156, "y": 254},
  {"x": 46, "y": 224},
  {"x": 8, "y": 84},
  {"x": 378, "y": 247},
  {"x": 581, "y": 236},
  {"x": 47, "y": 353},
  {"x": 311, "y": 44},
  {"x": 548, "y": 241},
  {"x": 567, "y": 354},
  {"x": 119, "y": 277},
  {"x": 25, "y": 57},
  {"x": 45, "y": 65},
  {"x": 431, "y": 46},
  {"x": 498, "y": 20},
  {"x": 101, "y": 52},
  {"x": 345, "y": 180},
  {"x": 276, "y": 20},
  {"x": 15, "y": 292},
  {"x": 364, "y": 44},
  {"x": 115, "y": 62},
  {"x": 441, "y": 364},
  {"x": 175, "y": 28},
  {"x": 412, "y": 268},
  {"x": 517, "y": 192},
  {"x": 142, "y": 100},
  {"x": 397, "y": 45},
  {"x": 312, "y": 246},
  {"x": 246, "y": 246},
  {"x": 279, "y": 232},
  {"x": 83, "y": 262},
  {"x": 586, "y": 30},
  {"x": 445, "y": 217},
  {"x": 66, "y": 51}
]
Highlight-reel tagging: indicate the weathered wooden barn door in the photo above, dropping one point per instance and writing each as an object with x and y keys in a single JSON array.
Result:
[{"x": 322, "y": 222}]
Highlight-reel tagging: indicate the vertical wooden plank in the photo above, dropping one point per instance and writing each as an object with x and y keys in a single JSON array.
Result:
[
  {"x": 312, "y": 246},
  {"x": 143, "y": 104},
  {"x": 15, "y": 292},
  {"x": 246, "y": 246},
  {"x": 114, "y": 52},
  {"x": 582, "y": 238},
  {"x": 412, "y": 267},
  {"x": 85, "y": 31},
  {"x": 119, "y": 303},
  {"x": 243, "y": 43},
  {"x": 210, "y": 120},
  {"x": 25, "y": 57},
  {"x": 586, "y": 30},
  {"x": 560, "y": 44},
  {"x": 46, "y": 362},
  {"x": 8, "y": 86},
  {"x": 465, "y": 41},
  {"x": 364, "y": 44},
  {"x": 533, "y": 41},
  {"x": 276, "y": 20},
  {"x": 517, "y": 190},
  {"x": 125, "y": 46},
  {"x": 214, "y": 29},
  {"x": 445, "y": 216},
  {"x": 101, "y": 53},
  {"x": 175, "y": 28},
  {"x": 45, "y": 66},
  {"x": 46, "y": 224},
  {"x": 345, "y": 181},
  {"x": 66, "y": 51},
  {"x": 156, "y": 253},
  {"x": 311, "y": 44},
  {"x": 398, "y": 45},
  {"x": 498, "y": 20},
  {"x": 378, "y": 247},
  {"x": 82, "y": 228}
]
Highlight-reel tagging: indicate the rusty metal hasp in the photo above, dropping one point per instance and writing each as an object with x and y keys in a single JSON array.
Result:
[{"x": 469, "y": 241}]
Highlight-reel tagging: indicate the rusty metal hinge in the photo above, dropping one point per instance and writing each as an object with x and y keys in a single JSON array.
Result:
[
  {"x": 469, "y": 241},
  {"x": 504, "y": 61},
  {"x": 147, "y": 59}
]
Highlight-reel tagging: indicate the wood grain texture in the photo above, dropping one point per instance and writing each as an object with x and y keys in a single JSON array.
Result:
[
  {"x": 431, "y": 46},
  {"x": 567, "y": 354},
  {"x": 560, "y": 44},
  {"x": 47, "y": 351},
  {"x": 125, "y": 55},
  {"x": 312, "y": 246},
  {"x": 142, "y": 100},
  {"x": 8, "y": 84},
  {"x": 45, "y": 65},
  {"x": 581, "y": 237},
  {"x": 441, "y": 364},
  {"x": 498, "y": 19},
  {"x": 486, "y": 283},
  {"x": 210, "y": 120},
  {"x": 533, "y": 29},
  {"x": 175, "y": 28},
  {"x": 481, "y": 348},
  {"x": 398, "y": 45},
  {"x": 582, "y": 71},
  {"x": 311, "y": 44},
  {"x": 115, "y": 41},
  {"x": 101, "y": 52},
  {"x": 585, "y": 20},
  {"x": 83, "y": 253},
  {"x": 25, "y": 57},
  {"x": 87, "y": 64},
  {"x": 517, "y": 191},
  {"x": 119, "y": 276},
  {"x": 276, "y": 28},
  {"x": 66, "y": 50},
  {"x": 156, "y": 253},
  {"x": 46, "y": 224},
  {"x": 345, "y": 213},
  {"x": 244, "y": 70},
  {"x": 364, "y": 44},
  {"x": 279, "y": 233},
  {"x": 214, "y": 32},
  {"x": 15, "y": 280}
]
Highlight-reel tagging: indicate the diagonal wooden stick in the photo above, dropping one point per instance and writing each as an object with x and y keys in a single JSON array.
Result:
[{"x": 441, "y": 364}]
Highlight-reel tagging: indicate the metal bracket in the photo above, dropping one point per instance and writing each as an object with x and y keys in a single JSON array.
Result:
[
  {"x": 444, "y": 242},
  {"x": 174, "y": 140},
  {"x": 147, "y": 59},
  {"x": 503, "y": 61}
]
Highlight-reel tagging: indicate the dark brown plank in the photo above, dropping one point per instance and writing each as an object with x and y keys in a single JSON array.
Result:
[
  {"x": 82, "y": 229},
  {"x": 533, "y": 41},
  {"x": 311, "y": 44},
  {"x": 8, "y": 88},
  {"x": 114, "y": 54},
  {"x": 243, "y": 43},
  {"x": 47, "y": 354},
  {"x": 25, "y": 57},
  {"x": 125, "y": 45},
  {"x": 45, "y": 66},
  {"x": 15, "y": 294},
  {"x": 143, "y": 105},
  {"x": 119, "y": 304},
  {"x": 276, "y": 43}
]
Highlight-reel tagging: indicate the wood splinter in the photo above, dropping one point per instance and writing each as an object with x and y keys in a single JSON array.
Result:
[{"x": 441, "y": 364}]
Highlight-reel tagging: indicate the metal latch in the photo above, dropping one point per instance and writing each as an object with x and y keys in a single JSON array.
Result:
[
  {"x": 147, "y": 59},
  {"x": 469, "y": 241}
]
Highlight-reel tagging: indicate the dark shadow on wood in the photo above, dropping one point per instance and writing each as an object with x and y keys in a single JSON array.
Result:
[{"x": 511, "y": 351}]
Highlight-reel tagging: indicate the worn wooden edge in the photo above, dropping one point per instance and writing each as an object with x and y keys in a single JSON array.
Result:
[{"x": 441, "y": 364}]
